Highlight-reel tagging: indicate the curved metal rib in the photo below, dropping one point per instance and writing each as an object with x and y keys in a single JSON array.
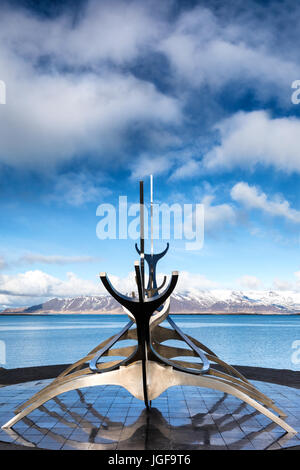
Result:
[
  {"x": 93, "y": 363},
  {"x": 205, "y": 361},
  {"x": 153, "y": 303},
  {"x": 162, "y": 284},
  {"x": 165, "y": 361},
  {"x": 152, "y": 291},
  {"x": 152, "y": 260},
  {"x": 157, "y": 255},
  {"x": 121, "y": 298},
  {"x": 134, "y": 305}
]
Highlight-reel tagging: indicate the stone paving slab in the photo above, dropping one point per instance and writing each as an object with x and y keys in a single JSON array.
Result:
[{"x": 182, "y": 418}]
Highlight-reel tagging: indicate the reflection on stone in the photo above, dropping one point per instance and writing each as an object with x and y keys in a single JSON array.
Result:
[{"x": 88, "y": 424}]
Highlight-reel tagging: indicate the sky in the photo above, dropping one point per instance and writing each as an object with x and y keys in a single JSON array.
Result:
[{"x": 99, "y": 95}]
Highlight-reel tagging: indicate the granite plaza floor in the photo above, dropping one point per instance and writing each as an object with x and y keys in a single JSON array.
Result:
[{"x": 182, "y": 418}]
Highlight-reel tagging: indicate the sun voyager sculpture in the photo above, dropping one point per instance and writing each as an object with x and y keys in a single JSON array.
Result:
[{"x": 149, "y": 366}]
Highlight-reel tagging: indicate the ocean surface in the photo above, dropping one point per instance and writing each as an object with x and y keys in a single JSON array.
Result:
[{"x": 264, "y": 341}]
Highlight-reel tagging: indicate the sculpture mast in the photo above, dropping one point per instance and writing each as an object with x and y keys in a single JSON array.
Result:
[
  {"x": 142, "y": 235},
  {"x": 151, "y": 212},
  {"x": 151, "y": 221}
]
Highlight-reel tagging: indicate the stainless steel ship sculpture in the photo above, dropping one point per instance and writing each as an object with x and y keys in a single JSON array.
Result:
[{"x": 149, "y": 366}]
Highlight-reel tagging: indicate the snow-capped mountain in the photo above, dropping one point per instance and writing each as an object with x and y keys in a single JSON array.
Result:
[
  {"x": 227, "y": 301},
  {"x": 212, "y": 301}
]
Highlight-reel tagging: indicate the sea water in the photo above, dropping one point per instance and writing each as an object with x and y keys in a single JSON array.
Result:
[{"x": 256, "y": 340}]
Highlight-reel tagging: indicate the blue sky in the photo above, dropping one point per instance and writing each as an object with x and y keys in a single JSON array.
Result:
[{"x": 102, "y": 94}]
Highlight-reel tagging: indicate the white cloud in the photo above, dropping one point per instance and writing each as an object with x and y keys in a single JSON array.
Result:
[
  {"x": 282, "y": 285},
  {"x": 35, "y": 286},
  {"x": 297, "y": 275},
  {"x": 78, "y": 188},
  {"x": 40, "y": 284},
  {"x": 147, "y": 165},
  {"x": 193, "y": 282},
  {"x": 253, "y": 198},
  {"x": 293, "y": 285},
  {"x": 250, "y": 282},
  {"x": 251, "y": 138},
  {"x": 189, "y": 169},
  {"x": 70, "y": 116},
  {"x": 101, "y": 33},
  {"x": 217, "y": 215},
  {"x": 165, "y": 163},
  {"x": 7, "y": 301},
  {"x": 84, "y": 101},
  {"x": 206, "y": 49},
  {"x": 33, "y": 258}
]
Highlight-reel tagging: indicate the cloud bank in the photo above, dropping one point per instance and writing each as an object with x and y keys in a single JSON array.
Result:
[{"x": 82, "y": 87}]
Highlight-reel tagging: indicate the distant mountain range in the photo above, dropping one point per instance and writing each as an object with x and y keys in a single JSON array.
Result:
[{"x": 213, "y": 301}]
